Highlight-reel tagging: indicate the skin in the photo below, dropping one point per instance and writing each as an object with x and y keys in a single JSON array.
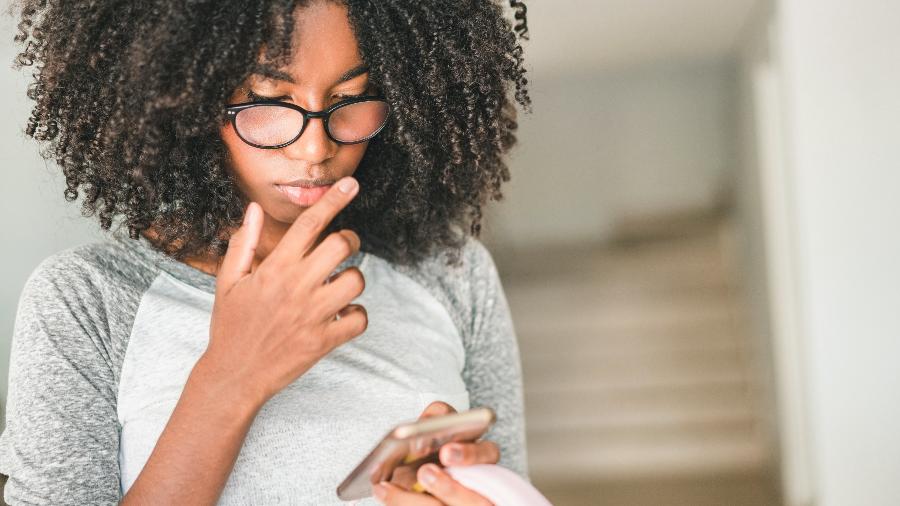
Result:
[
  {"x": 325, "y": 49},
  {"x": 237, "y": 374}
]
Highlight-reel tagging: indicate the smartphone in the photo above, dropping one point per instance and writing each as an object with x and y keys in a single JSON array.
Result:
[{"x": 412, "y": 443}]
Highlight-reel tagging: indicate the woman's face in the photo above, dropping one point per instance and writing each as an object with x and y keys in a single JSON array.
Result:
[{"x": 325, "y": 66}]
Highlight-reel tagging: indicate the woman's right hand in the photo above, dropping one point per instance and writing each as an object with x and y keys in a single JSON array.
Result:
[{"x": 272, "y": 323}]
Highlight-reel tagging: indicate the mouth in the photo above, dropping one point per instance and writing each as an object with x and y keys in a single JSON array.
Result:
[
  {"x": 304, "y": 193},
  {"x": 308, "y": 183}
]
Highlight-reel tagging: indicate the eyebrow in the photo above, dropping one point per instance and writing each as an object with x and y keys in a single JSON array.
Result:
[{"x": 272, "y": 73}]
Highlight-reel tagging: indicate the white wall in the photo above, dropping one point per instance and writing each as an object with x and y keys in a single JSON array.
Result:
[
  {"x": 602, "y": 147},
  {"x": 767, "y": 248},
  {"x": 37, "y": 219},
  {"x": 842, "y": 108}
]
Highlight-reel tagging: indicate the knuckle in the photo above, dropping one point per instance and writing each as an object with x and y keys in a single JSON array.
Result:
[
  {"x": 443, "y": 408},
  {"x": 358, "y": 278},
  {"x": 303, "y": 319},
  {"x": 353, "y": 236},
  {"x": 342, "y": 244},
  {"x": 336, "y": 244},
  {"x": 363, "y": 320}
]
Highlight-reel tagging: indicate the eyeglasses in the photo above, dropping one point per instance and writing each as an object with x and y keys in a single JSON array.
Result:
[{"x": 275, "y": 124}]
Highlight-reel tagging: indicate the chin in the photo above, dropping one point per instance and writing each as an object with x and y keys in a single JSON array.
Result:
[{"x": 286, "y": 214}]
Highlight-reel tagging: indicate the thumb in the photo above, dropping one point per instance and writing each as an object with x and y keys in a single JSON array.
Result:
[{"x": 241, "y": 249}]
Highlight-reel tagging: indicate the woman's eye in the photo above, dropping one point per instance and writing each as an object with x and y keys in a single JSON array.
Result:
[
  {"x": 261, "y": 98},
  {"x": 256, "y": 97},
  {"x": 344, "y": 96}
]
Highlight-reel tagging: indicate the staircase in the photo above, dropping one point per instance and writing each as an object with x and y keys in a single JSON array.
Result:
[{"x": 637, "y": 360}]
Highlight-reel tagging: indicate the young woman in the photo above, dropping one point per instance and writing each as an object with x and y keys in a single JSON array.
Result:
[{"x": 297, "y": 268}]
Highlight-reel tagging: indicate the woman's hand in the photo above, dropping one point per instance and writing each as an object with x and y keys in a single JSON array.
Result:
[
  {"x": 272, "y": 323},
  {"x": 440, "y": 487}
]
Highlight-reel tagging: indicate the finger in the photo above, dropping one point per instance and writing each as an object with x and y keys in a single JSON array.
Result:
[
  {"x": 307, "y": 228},
  {"x": 442, "y": 486},
  {"x": 404, "y": 476},
  {"x": 343, "y": 288},
  {"x": 437, "y": 408},
  {"x": 353, "y": 238},
  {"x": 325, "y": 258},
  {"x": 466, "y": 454},
  {"x": 392, "y": 495},
  {"x": 241, "y": 249},
  {"x": 353, "y": 321}
]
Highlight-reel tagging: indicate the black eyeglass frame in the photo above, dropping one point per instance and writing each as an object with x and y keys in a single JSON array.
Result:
[{"x": 232, "y": 111}]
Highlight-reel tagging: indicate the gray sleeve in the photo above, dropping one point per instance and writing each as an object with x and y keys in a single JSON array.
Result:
[
  {"x": 493, "y": 371},
  {"x": 60, "y": 444}
]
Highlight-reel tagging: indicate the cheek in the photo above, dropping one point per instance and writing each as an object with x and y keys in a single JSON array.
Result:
[
  {"x": 245, "y": 161},
  {"x": 349, "y": 157}
]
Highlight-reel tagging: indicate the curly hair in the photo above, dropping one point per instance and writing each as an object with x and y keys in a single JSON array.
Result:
[{"x": 129, "y": 101}]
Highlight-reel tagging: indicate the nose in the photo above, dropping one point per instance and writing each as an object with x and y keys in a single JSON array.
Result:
[{"x": 314, "y": 145}]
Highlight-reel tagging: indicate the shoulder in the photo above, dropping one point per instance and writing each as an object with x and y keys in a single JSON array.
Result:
[
  {"x": 85, "y": 271},
  {"x": 463, "y": 280},
  {"x": 460, "y": 265},
  {"x": 76, "y": 311},
  {"x": 85, "y": 292}
]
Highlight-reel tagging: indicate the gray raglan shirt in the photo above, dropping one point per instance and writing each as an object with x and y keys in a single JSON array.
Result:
[{"x": 107, "y": 333}]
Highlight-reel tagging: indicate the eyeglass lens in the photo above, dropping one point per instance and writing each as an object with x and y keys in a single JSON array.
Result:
[{"x": 272, "y": 125}]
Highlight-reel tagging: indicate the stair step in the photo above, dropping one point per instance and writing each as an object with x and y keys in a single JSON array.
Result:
[
  {"x": 610, "y": 454},
  {"x": 637, "y": 359},
  {"x": 552, "y": 316},
  {"x": 544, "y": 345},
  {"x": 685, "y": 395},
  {"x": 619, "y": 371},
  {"x": 591, "y": 387},
  {"x": 589, "y": 360},
  {"x": 622, "y": 420}
]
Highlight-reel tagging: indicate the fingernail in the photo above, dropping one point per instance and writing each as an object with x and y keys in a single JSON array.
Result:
[
  {"x": 429, "y": 474},
  {"x": 379, "y": 490},
  {"x": 347, "y": 184}
]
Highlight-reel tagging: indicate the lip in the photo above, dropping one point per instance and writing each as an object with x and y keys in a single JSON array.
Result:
[
  {"x": 301, "y": 195},
  {"x": 308, "y": 183}
]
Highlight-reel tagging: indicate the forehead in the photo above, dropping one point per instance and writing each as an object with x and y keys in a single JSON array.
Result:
[{"x": 324, "y": 49}]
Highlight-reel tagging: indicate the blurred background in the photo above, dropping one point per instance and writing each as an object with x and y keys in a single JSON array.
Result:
[{"x": 699, "y": 246}]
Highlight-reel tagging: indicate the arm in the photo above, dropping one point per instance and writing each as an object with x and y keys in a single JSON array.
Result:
[
  {"x": 61, "y": 441},
  {"x": 255, "y": 349},
  {"x": 196, "y": 452},
  {"x": 493, "y": 371},
  {"x": 60, "y": 444}
]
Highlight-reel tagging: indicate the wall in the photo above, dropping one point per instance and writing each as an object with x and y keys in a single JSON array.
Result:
[
  {"x": 842, "y": 110},
  {"x": 38, "y": 220},
  {"x": 606, "y": 146},
  {"x": 767, "y": 250}
]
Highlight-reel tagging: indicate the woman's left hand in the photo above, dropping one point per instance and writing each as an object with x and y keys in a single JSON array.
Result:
[{"x": 441, "y": 488}]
